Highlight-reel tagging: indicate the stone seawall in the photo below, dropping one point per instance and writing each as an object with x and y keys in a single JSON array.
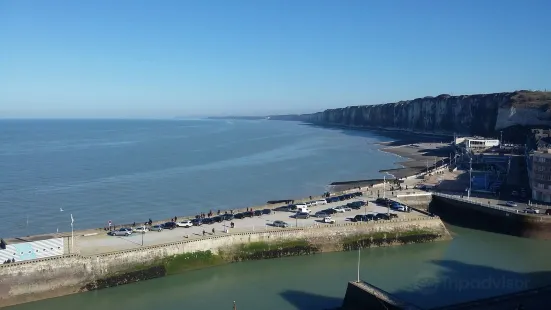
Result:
[
  {"x": 499, "y": 220},
  {"x": 45, "y": 278}
]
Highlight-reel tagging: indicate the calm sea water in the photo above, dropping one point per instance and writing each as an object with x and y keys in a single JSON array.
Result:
[
  {"x": 474, "y": 265},
  {"x": 130, "y": 170}
]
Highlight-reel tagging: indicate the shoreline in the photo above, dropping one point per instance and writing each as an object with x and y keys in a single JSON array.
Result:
[{"x": 400, "y": 139}]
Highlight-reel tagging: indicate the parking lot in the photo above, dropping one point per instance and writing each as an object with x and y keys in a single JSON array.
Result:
[{"x": 103, "y": 243}]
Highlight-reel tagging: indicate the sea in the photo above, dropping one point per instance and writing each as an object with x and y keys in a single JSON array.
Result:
[
  {"x": 131, "y": 170},
  {"x": 127, "y": 171}
]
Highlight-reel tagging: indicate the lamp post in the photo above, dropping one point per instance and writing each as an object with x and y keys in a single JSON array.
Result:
[
  {"x": 72, "y": 236},
  {"x": 143, "y": 233}
]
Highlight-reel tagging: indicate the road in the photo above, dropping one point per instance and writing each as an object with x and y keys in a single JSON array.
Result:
[{"x": 102, "y": 243}]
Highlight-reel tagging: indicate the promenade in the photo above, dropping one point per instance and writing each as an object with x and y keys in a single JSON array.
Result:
[{"x": 92, "y": 243}]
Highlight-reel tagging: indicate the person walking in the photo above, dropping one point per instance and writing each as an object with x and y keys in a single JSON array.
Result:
[{"x": 213, "y": 230}]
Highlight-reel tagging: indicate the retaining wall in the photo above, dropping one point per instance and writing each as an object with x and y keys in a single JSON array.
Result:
[
  {"x": 62, "y": 275},
  {"x": 470, "y": 214}
]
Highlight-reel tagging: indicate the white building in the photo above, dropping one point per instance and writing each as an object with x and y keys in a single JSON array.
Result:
[{"x": 477, "y": 144}]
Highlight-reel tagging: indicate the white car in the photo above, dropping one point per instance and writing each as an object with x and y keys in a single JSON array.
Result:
[
  {"x": 511, "y": 204},
  {"x": 328, "y": 220},
  {"x": 140, "y": 229},
  {"x": 321, "y": 202},
  {"x": 186, "y": 224},
  {"x": 339, "y": 209}
]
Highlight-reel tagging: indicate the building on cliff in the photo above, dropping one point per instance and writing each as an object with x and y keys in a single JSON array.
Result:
[{"x": 538, "y": 159}]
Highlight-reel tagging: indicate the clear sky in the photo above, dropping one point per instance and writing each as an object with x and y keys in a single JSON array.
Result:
[{"x": 156, "y": 58}]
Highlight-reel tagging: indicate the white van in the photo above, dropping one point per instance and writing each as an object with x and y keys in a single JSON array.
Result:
[{"x": 303, "y": 209}]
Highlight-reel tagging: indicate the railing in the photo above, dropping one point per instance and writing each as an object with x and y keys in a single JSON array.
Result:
[{"x": 509, "y": 210}]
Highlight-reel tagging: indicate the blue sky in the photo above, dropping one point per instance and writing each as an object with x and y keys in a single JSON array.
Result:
[{"x": 132, "y": 58}]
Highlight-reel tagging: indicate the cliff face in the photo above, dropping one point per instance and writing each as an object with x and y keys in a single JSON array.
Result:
[{"x": 468, "y": 115}]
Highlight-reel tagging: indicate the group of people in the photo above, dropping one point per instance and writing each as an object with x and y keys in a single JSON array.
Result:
[{"x": 9, "y": 261}]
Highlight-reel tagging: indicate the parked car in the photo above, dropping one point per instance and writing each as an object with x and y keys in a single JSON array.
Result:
[
  {"x": 140, "y": 229},
  {"x": 248, "y": 214},
  {"x": 321, "y": 202},
  {"x": 357, "y": 194},
  {"x": 257, "y": 212},
  {"x": 169, "y": 225},
  {"x": 217, "y": 219},
  {"x": 393, "y": 215},
  {"x": 360, "y": 218},
  {"x": 511, "y": 204},
  {"x": 381, "y": 201},
  {"x": 186, "y": 224},
  {"x": 280, "y": 224},
  {"x": 266, "y": 211},
  {"x": 157, "y": 228},
  {"x": 282, "y": 209},
  {"x": 548, "y": 212},
  {"x": 329, "y": 211},
  {"x": 122, "y": 232},
  {"x": 339, "y": 209},
  {"x": 227, "y": 217},
  {"x": 328, "y": 220},
  {"x": 531, "y": 211},
  {"x": 239, "y": 216},
  {"x": 197, "y": 222},
  {"x": 321, "y": 214},
  {"x": 207, "y": 220},
  {"x": 383, "y": 216},
  {"x": 356, "y": 204},
  {"x": 302, "y": 215},
  {"x": 398, "y": 207}
]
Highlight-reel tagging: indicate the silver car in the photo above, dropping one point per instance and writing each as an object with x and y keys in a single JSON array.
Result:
[
  {"x": 280, "y": 224},
  {"x": 157, "y": 228},
  {"x": 122, "y": 232}
]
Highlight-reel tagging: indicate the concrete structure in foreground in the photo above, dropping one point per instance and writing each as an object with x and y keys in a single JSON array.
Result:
[
  {"x": 67, "y": 274},
  {"x": 361, "y": 295}
]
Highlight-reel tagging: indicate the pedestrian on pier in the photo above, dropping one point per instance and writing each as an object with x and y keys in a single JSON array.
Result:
[
  {"x": 213, "y": 230},
  {"x": 218, "y": 212},
  {"x": 232, "y": 224},
  {"x": 204, "y": 232},
  {"x": 175, "y": 219}
]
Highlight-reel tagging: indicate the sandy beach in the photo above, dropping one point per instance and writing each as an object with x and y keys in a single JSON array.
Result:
[{"x": 417, "y": 152}]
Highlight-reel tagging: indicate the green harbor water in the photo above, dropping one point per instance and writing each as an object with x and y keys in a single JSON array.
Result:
[{"x": 474, "y": 265}]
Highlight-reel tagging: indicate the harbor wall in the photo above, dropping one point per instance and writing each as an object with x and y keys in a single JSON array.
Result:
[
  {"x": 45, "y": 278},
  {"x": 469, "y": 214}
]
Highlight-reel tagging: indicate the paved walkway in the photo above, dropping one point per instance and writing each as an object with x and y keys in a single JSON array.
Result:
[{"x": 102, "y": 243}]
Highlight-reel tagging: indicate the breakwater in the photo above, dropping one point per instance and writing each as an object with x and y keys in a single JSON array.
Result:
[{"x": 68, "y": 274}]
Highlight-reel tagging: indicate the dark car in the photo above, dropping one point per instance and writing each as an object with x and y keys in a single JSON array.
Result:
[
  {"x": 372, "y": 217},
  {"x": 382, "y": 216},
  {"x": 381, "y": 201},
  {"x": 208, "y": 221},
  {"x": 239, "y": 216},
  {"x": 360, "y": 218},
  {"x": 169, "y": 225},
  {"x": 356, "y": 204},
  {"x": 248, "y": 214},
  {"x": 257, "y": 212},
  {"x": 291, "y": 208},
  {"x": 266, "y": 211},
  {"x": 218, "y": 219},
  {"x": 393, "y": 215},
  {"x": 227, "y": 217},
  {"x": 196, "y": 222},
  {"x": 357, "y": 194},
  {"x": 282, "y": 209},
  {"x": 329, "y": 211},
  {"x": 548, "y": 212}
]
